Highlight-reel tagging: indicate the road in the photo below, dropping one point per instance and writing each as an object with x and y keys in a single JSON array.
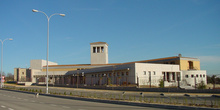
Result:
[
  {"x": 174, "y": 98},
  {"x": 10, "y": 100}
]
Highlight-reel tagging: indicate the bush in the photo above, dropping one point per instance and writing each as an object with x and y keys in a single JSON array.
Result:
[
  {"x": 202, "y": 85},
  {"x": 161, "y": 84}
]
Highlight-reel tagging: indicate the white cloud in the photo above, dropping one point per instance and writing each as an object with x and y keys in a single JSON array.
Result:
[{"x": 209, "y": 59}]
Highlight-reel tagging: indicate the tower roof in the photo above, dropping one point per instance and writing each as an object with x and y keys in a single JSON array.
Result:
[{"x": 94, "y": 43}]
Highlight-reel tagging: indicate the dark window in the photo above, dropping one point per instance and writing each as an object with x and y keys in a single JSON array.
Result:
[
  {"x": 118, "y": 74},
  {"x": 98, "y": 49},
  {"x": 102, "y": 49},
  {"x": 190, "y": 65},
  {"x": 127, "y": 73},
  {"x": 187, "y": 76},
  {"x": 94, "y": 49},
  {"x": 192, "y": 75}
]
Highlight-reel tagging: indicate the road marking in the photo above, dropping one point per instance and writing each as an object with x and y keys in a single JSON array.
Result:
[
  {"x": 33, "y": 101},
  {"x": 65, "y": 107},
  {"x": 3, "y": 106},
  {"x": 10, "y": 109},
  {"x": 53, "y": 105}
]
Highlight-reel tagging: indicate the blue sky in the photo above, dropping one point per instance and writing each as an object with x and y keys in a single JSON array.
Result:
[{"x": 134, "y": 29}]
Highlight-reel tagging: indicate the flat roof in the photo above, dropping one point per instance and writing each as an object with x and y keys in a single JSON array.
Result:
[{"x": 142, "y": 61}]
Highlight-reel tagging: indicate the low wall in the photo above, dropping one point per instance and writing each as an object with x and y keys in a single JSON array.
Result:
[
  {"x": 25, "y": 83},
  {"x": 143, "y": 89}
]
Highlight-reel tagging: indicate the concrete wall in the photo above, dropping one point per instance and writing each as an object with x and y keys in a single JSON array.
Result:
[
  {"x": 99, "y": 57},
  {"x": 22, "y": 74},
  {"x": 38, "y": 64},
  {"x": 193, "y": 76},
  {"x": 184, "y": 63},
  {"x": 151, "y": 74}
]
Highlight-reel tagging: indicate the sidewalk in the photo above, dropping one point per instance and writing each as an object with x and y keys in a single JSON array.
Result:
[{"x": 168, "y": 94}]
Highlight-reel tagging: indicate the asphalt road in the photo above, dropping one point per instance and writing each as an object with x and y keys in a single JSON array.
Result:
[
  {"x": 177, "y": 98},
  {"x": 10, "y": 100}
]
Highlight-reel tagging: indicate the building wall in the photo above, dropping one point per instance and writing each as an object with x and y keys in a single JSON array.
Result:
[
  {"x": 38, "y": 64},
  {"x": 194, "y": 76},
  {"x": 99, "y": 53},
  {"x": 184, "y": 64},
  {"x": 110, "y": 75},
  {"x": 151, "y": 74},
  {"x": 15, "y": 74},
  {"x": 33, "y": 73},
  {"x": 22, "y": 74}
]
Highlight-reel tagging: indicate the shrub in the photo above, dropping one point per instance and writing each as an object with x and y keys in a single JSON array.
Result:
[
  {"x": 202, "y": 85},
  {"x": 161, "y": 84}
]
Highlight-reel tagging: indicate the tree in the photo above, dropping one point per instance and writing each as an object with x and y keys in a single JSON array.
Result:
[{"x": 9, "y": 77}]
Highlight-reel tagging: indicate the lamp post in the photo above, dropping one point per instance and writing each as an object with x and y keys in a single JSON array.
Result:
[
  {"x": 2, "y": 41},
  {"x": 48, "y": 20}
]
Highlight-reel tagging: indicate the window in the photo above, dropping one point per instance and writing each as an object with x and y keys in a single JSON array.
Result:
[
  {"x": 154, "y": 73},
  {"x": 192, "y": 75},
  {"x": 122, "y": 73},
  {"x": 102, "y": 49},
  {"x": 197, "y": 75},
  {"x": 98, "y": 49},
  {"x": 172, "y": 62},
  {"x": 145, "y": 73},
  {"x": 94, "y": 49},
  {"x": 190, "y": 65},
  {"x": 200, "y": 75},
  {"x": 127, "y": 73},
  {"x": 149, "y": 72},
  {"x": 118, "y": 74},
  {"x": 22, "y": 73},
  {"x": 187, "y": 76},
  {"x": 203, "y": 75}
]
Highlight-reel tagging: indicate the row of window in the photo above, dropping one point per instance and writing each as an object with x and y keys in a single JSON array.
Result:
[
  {"x": 110, "y": 74},
  {"x": 149, "y": 72},
  {"x": 192, "y": 76},
  {"x": 98, "y": 49}
]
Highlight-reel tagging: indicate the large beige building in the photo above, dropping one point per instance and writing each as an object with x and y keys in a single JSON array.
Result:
[{"x": 174, "y": 71}]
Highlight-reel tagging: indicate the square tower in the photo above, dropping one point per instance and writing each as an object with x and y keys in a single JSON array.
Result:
[{"x": 99, "y": 53}]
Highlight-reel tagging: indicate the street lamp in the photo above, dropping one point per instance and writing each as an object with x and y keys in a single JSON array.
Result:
[
  {"x": 2, "y": 41},
  {"x": 48, "y": 20}
]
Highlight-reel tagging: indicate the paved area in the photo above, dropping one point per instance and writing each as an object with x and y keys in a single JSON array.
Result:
[
  {"x": 21, "y": 101},
  {"x": 203, "y": 99}
]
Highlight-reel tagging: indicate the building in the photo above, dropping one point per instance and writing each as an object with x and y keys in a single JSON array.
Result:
[
  {"x": 173, "y": 71},
  {"x": 99, "y": 53}
]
